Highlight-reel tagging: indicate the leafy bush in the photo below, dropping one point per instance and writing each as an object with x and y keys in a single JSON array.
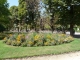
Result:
[
  {"x": 2, "y": 28},
  {"x": 2, "y": 36},
  {"x": 8, "y": 42},
  {"x": 37, "y": 39}
]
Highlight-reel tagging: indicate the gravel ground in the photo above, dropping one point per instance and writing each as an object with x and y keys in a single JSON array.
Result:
[{"x": 69, "y": 56}]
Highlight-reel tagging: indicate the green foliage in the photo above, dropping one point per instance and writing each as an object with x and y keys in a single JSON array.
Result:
[
  {"x": 2, "y": 28},
  {"x": 69, "y": 12},
  {"x": 67, "y": 15},
  {"x": 13, "y": 43},
  {"x": 8, "y": 42},
  {"x": 3, "y": 8},
  {"x": 33, "y": 14},
  {"x": 14, "y": 10},
  {"x": 4, "y": 13},
  {"x": 2, "y": 36},
  {"x": 24, "y": 44},
  {"x": 22, "y": 13},
  {"x": 14, "y": 15},
  {"x": 51, "y": 7}
]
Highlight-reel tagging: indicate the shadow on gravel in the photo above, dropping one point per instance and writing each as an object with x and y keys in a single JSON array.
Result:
[{"x": 76, "y": 36}]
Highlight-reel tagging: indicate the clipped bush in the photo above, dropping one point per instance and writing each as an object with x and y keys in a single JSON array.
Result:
[{"x": 37, "y": 39}]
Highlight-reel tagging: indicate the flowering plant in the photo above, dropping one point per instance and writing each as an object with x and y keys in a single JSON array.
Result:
[{"x": 38, "y": 39}]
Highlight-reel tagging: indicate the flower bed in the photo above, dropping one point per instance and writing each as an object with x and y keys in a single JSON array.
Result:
[{"x": 37, "y": 39}]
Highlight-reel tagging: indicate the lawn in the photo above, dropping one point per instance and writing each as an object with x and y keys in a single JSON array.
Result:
[{"x": 7, "y": 51}]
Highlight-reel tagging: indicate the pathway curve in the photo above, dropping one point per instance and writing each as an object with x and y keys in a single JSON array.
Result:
[{"x": 69, "y": 56}]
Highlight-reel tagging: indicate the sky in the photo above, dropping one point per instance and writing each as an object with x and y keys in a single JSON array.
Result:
[{"x": 12, "y": 2}]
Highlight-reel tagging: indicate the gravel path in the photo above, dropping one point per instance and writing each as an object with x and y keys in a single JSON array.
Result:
[{"x": 69, "y": 56}]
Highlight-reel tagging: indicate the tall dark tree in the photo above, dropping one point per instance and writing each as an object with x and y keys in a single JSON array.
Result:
[
  {"x": 69, "y": 13},
  {"x": 4, "y": 12}
]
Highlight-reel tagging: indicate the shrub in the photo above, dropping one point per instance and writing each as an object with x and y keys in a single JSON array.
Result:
[
  {"x": 2, "y": 36},
  {"x": 2, "y": 28},
  {"x": 18, "y": 43},
  {"x": 14, "y": 43},
  {"x": 24, "y": 44},
  {"x": 38, "y": 39},
  {"x": 8, "y": 42}
]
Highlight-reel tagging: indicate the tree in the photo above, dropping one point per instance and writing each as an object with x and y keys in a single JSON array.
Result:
[
  {"x": 22, "y": 13},
  {"x": 70, "y": 14},
  {"x": 4, "y": 12},
  {"x": 22, "y": 10},
  {"x": 14, "y": 16},
  {"x": 4, "y": 8},
  {"x": 51, "y": 7},
  {"x": 33, "y": 12}
]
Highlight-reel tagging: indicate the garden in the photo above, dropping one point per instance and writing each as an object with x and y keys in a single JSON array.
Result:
[
  {"x": 37, "y": 45},
  {"x": 20, "y": 45},
  {"x": 38, "y": 28},
  {"x": 37, "y": 39}
]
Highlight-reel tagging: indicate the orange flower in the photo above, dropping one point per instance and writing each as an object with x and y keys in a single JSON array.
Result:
[{"x": 18, "y": 38}]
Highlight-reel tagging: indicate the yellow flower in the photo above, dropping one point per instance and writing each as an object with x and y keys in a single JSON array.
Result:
[
  {"x": 48, "y": 36},
  {"x": 46, "y": 43},
  {"x": 18, "y": 38},
  {"x": 30, "y": 42},
  {"x": 36, "y": 37}
]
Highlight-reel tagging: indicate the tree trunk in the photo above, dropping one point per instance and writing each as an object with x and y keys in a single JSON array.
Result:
[
  {"x": 26, "y": 29},
  {"x": 18, "y": 29},
  {"x": 72, "y": 30},
  {"x": 41, "y": 24},
  {"x": 52, "y": 22},
  {"x": 72, "y": 18},
  {"x": 52, "y": 28},
  {"x": 63, "y": 30}
]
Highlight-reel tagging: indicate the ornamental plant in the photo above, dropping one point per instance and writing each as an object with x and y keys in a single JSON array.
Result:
[{"x": 37, "y": 39}]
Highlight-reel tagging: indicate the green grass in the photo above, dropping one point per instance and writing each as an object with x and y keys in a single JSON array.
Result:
[{"x": 7, "y": 51}]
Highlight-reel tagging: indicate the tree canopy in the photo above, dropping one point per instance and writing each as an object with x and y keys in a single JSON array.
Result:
[
  {"x": 28, "y": 11},
  {"x": 4, "y": 12},
  {"x": 68, "y": 11}
]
